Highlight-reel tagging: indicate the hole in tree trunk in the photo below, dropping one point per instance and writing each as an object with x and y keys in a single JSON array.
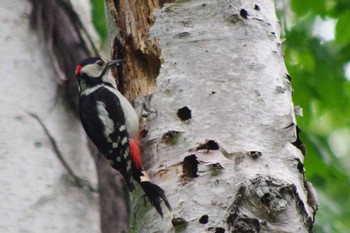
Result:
[
  {"x": 209, "y": 145},
  {"x": 204, "y": 219},
  {"x": 184, "y": 113},
  {"x": 190, "y": 166}
]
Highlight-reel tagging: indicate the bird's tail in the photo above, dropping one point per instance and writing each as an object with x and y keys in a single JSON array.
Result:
[{"x": 155, "y": 194}]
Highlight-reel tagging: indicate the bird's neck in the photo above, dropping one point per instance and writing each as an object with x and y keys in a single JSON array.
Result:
[{"x": 88, "y": 84}]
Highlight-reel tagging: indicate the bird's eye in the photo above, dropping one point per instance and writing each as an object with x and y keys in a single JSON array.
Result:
[{"x": 100, "y": 63}]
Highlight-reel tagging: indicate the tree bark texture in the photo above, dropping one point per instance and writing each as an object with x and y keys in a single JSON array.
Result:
[
  {"x": 128, "y": 24},
  {"x": 224, "y": 142}
]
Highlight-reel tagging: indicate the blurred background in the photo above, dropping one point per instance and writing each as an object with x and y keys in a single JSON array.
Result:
[{"x": 317, "y": 40}]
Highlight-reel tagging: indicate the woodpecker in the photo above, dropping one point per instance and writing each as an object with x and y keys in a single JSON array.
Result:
[{"x": 112, "y": 124}]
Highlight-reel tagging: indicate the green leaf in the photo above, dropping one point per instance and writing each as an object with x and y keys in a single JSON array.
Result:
[
  {"x": 342, "y": 32},
  {"x": 320, "y": 88},
  {"x": 98, "y": 18},
  {"x": 301, "y": 7}
]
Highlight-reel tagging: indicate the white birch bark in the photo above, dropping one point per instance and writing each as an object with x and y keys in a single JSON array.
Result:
[
  {"x": 36, "y": 194},
  {"x": 227, "y": 67}
]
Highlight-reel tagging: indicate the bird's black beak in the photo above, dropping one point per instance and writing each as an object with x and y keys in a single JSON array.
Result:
[{"x": 114, "y": 63}]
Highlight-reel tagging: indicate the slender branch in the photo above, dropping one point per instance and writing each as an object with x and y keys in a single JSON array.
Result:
[{"x": 81, "y": 183}]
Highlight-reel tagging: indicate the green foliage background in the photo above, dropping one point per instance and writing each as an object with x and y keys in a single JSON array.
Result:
[
  {"x": 322, "y": 90},
  {"x": 98, "y": 18}
]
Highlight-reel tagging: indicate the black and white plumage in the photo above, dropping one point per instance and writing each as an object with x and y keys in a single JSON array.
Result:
[
  {"x": 106, "y": 119},
  {"x": 112, "y": 124}
]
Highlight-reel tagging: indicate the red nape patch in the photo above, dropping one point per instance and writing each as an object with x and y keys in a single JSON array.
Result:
[
  {"x": 78, "y": 69},
  {"x": 135, "y": 152}
]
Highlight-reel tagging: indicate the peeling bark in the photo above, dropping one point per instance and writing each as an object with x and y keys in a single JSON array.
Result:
[{"x": 129, "y": 23}]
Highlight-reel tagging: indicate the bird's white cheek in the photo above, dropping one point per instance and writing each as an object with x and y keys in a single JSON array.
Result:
[{"x": 92, "y": 71}]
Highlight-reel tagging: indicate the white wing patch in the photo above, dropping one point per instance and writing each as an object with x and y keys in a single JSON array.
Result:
[
  {"x": 124, "y": 141},
  {"x": 104, "y": 117},
  {"x": 122, "y": 128},
  {"x": 131, "y": 117}
]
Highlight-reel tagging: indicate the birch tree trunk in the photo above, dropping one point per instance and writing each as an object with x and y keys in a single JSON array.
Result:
[
  {"x": 37, "y": 195},
  {"x": 224, "y": 142}
]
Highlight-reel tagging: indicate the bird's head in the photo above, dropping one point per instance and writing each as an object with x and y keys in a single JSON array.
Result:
[{"x": 90, "y": 71}]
